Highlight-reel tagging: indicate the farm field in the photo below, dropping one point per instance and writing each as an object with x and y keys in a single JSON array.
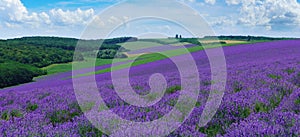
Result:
[
  {"x": 145, "y": 47},
  {"x": 262, "y": 95}
]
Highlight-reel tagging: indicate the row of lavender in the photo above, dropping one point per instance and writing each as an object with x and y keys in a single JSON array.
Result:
[{"x": 262, "y": 98}]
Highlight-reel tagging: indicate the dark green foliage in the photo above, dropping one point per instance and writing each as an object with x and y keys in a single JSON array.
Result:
[
  {"x": 44, "y": 51},
  {"x": 75, "y": 109},
  {"x": 219, "y": 126},
  {"x": 110, "y": 54},
  {"x": 260, "y": 107},
  {"x": 119, "y": 40},
  {"x": 272, "y": 76},
  {"x": 61, "y": 116},
  {"x": 212, "y": 131},
  {"x": 13, "y": 73},
  {"x": 198, "y": 104},
  {"x": 16, "y": 113},
  {"x": 173, "y": 89},
  {"x": 275, "y": 101},
  {"x": 31, "y": 107},
  {"x": 66, "y": 43},
  {"x": 223, "y": 42},
  {"x": 107, "y": 54},
  {"x": 38, "y": 56},
  {"x": 237, "y": 86},
  {"x": 89, "y": 130},
  {"x": 7, "y": 115},
  {"x": 249, "y": 38},
  {"x": 191, "y": 40},
  {"x": 244, "y": 112},
  {"x": 297, "y": 101},
  {"x": 214, "y": 43},
  {"x": 290, "y": 70},
  {"x": 114, "y": 47}
]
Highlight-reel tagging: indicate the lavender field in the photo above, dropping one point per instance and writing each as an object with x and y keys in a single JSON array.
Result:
[{"x": 262, "y": 97}]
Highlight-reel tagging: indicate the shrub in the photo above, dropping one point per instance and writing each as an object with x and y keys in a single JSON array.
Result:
[
  {"x": 290, "y": 70},
  {"x": 237, "y": 86},
  {"x": 191, "y": 40},
  {"x": 244, "y": 112},
  {"x": 212, "y": 130},
  {"x": 297, "y": 101},
  {"x": 31, "y": 107},
  {"x": 61, "y": 116},
  {"x": 13, "y": 73},
  {"x": 89, "y": 130},
  {"x": 173, "y": 89},
  {"x": 6, "y": 115},
  {"x": 260, "y": 107},
  {"x": 273, "y": 76},
  {"x": 16, "y": 113}
]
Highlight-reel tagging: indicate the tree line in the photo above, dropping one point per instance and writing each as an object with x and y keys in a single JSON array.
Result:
[{"x": 21, "y": 59}]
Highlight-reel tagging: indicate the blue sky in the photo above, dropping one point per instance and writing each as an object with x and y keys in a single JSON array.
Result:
[{"x": 20, "y": 18}]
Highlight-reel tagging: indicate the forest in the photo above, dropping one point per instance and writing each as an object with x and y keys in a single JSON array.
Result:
[{"x": 21, "y": 59}]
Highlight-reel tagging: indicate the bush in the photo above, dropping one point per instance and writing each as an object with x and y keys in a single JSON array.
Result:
[
  {"x": 173, "y": 89},
  {"x": 237, "y": 86},
  {"x": 89, "y": 130},
  {"x": 110, "y": 54},
  {"x": 13, "y": 73},
  {"x": 31, "y": 107},
  {"x": 6, "y": 115},
  {"x": 191, "y": 40},
  {"x": 61, "y": 116}
]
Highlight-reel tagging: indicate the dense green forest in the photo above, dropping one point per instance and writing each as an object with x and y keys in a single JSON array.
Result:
[
  {"x": 13, "y": 73},
  {"x": 22, "y": 58}
]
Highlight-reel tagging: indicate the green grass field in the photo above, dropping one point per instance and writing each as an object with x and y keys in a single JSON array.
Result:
[
  {"x": 143, "y": 59},
  {"x": 65, "y": 67}
]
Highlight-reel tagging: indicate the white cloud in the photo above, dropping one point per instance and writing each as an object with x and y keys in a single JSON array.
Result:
[
  {"x": 77, "y": 17},
  {"x": 45, "y": 17},
  {"x": 13, "y": 13},
  {"x": 269, "y": 13},
  {"x": 221, "y": 21},
  {"x": 210, "y": 1},
  {"x": 233, "y": 2}
]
